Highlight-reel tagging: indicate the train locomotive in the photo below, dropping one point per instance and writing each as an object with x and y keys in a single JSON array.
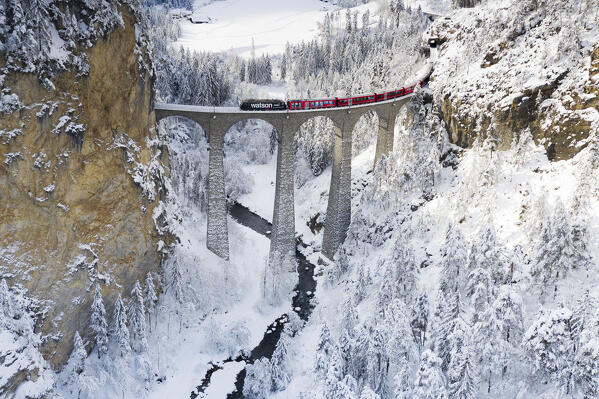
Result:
[
  {"x": 263, "y": 105},
  {"x": 297, "y": 105}
]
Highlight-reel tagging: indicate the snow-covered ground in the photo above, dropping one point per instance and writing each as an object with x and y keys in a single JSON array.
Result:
[
  {"x": 186, "y": 354},
  {"x": 269, "y": 23}
]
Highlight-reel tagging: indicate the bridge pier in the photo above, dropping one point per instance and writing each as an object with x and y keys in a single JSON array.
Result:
[
  {"x": 280, "y": 274},
  {"x": 386, "y": 133},
  {"x": 282, "y": 238},
  {"x": 218, "y": 235},
  {"x": 339, "y": 205}
]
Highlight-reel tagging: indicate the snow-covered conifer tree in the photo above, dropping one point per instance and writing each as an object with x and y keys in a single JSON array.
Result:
[
  {"x": 462, "y": 372},
  {"x": 36, "y": 13},
  {"x": 137, "y": 319},
  {"x": 556, "y": 253},
  {"x": 343, "y": 389},
  {"x": 486, "y": 253},
  {"x": 368, "y": 393},
  {"x": 430, "y": 383},
  {"x": 405, "y": 265},
  {"x": 583, "y": 313},
  {"x": 377, "y": 361},
  {"x": 242, "y": 69},
  {"x": 150, "y": 298},
  {"x": 175, "y": 280},
  {"x": 5, "y": 301},
  {"x": 323, "y": 352},
  {"x": 453, "y": 263},
  {"x": 280, "y": 373},
  {"x": 497, "y": 335},
  {"x": 120, "y": 331},
  {"x": 400, "y": 345},
  {"x": 452, "y": 317},
  {"x": 550, "y": 346},
  {"x": 257, "y": 383},
  {"x": 98, "y": 323},
  {"x": 587, "y": 359},
  {"x": 76, "y": 378},
  {"x": 334, "y": 375},
  {"x": 479, "y": 289},
  {"x": 283, "y": 71},
  {"x": 420, "y": 316},
  {"x": 360, "y": 284},
  {"x": 403, "y": 383},
  {"x": 349, "y": 317},
  {"x": 78, "y": 355}
]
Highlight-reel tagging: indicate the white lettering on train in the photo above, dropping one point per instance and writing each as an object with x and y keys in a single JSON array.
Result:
[{"x": 261, "y": 105}]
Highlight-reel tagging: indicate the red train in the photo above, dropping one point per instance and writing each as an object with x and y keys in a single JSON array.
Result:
[{"x": 349, "y": 101}]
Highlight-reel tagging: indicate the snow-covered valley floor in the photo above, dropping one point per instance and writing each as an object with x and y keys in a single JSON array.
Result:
[{"x": 269, "y": 23}]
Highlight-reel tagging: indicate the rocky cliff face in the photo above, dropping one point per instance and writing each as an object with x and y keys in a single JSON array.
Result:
[
  {"x": 80, "y": 179},
  {"x": 514, "y": 68}
]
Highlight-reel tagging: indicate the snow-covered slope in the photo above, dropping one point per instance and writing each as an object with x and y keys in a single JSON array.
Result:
[{"x": 507, "y": 67}]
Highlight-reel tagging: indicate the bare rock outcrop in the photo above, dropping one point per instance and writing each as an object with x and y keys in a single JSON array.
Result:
[{"x": 81, "y": 174}]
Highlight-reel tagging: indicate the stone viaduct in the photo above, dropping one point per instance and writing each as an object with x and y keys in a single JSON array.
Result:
[{"x": 216, "y": 122}]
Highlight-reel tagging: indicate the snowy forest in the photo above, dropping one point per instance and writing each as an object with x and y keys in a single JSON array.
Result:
[{"x": 469, "y": 271}]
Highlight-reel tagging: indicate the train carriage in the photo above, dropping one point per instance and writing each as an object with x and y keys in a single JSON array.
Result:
[
  {"x": 312, "y": 104},
  {"x": 296, "y": 105}
]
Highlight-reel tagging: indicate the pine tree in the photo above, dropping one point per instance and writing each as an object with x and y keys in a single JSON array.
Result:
[
  {"x": 242, "y": 70},
  {"x": 404, "y": 261},
  {"x": 403, "y": 383},
  {"x": 462, "y": 376},
  {"x": 420, "y": 316},
  {"x": 587, "y": 359},
  {"x": 98, "y": 323},
  {"x": 377, "y": 363},
  {"x": 430, "y": 383},
  {"x": 452, "y": 317},
  {"x": 78, "y": 355},
  {"x": 175, "y": 281},
  {"x": 120, "y": 331},
  {"x": 454, "y": 255},
  {"x": 556, "y": 253},
  {"x": 323, "y": 352},
  {"x": 479, "y": 290},
  {"x": 397, "y": 334},
  {"x": 583, "y": 313},
  {"x": 6, "y": 307},
  {"x": 343, "y": 389},
  {"x": 257, "y": 384},
  {"x": 78, "y": 381},
  {"x": 137, "y": 319},
  {"x": 349, "y": 317},
  {"x": 348, "y": 24},
  {"x": 550, "y": 346},
  {"x": 334, "y": 375},
  {"x": 267, "y": 78},
  {"x": 486, "y": 253},
  {"x": 283, "y": 67},
  {"x": 361, "y": 283},
  {"x": 280, "y": 373},
  {"x": 368, "y": 393},
  {"x": 37, "y": 16},
  {"x": 150, "y": 298}
]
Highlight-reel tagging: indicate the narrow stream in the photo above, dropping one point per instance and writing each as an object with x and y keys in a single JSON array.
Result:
[{"x": 304, "y": 291}]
